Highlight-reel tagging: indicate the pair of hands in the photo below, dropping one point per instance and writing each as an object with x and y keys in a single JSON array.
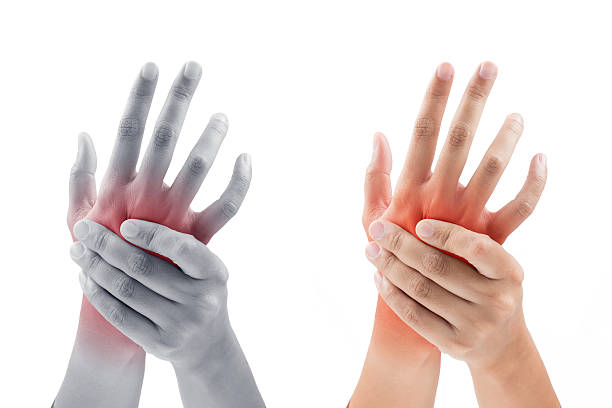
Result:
[
  {"x": 472, "y": 312},
  {"x": 176, "y": 311}
]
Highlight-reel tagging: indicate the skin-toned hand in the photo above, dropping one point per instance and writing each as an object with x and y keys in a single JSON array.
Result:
[
  {"x": 178, "y": 313},
  {"x": 401, "y": 368},
  {"x": 104, "y": 361},
  {"x": 473, "y": 313}
]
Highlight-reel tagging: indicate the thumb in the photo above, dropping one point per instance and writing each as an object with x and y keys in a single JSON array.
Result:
[
  {"x": 377, "y": 185},
  {"x": 82, "y": 184}
]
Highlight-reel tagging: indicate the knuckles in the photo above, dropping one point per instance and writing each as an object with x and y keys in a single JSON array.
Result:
[
  {"x": 163, "y": 135},
  {"x": 124, "y": 286},
  {"x": 459, "y": 135},
  {"x": 395, "y": 240},
  {"x": 387, "y": 262},
  {"x": 435, "y": 264},
  {"x": 420, "y": 287},
  {"x": 424, "y": 128},
  {"x": 128, "y": 129},
  {"x": 140, "y": 265},
  {"x": 229, "y": 208},
  {"x": 476, "y": 93},
  {"x": 101, "y": 241},
  {"x": 181, "y": 92},
  {"x": 493, "y": 165},
  {"x": 197, "y": 165}
]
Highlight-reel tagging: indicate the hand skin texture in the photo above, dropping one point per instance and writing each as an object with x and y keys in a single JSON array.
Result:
[
  {"x": 106, "y": 367},
  {"x": 178, "y": 313},
  {"x": 473, "y": 314},
  {"x": 402, "y": 368}
]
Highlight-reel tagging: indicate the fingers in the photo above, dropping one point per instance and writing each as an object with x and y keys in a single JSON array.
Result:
[
  {"x": 131, "y": 323},
  {"x": 416, "y": 286},
  {"x": 122, "y": 165},
  {"x": 417, "y": 167},
  {"x": 509, "y": 217},
  {"x": 215, "y": 216},
  {"x": 159, "y": 153},
  {"x": 192, "y": 256},
  {"x": 191, "y": 176},
  {"x": 124, "y": 288},
  {"x": 452, "y": 274},
  {"x": 457, "y": 146},
  {"x": 377, "y": 184},
  {"x": 426, "y": 323},
  {"x": 82, "y": 184},
  {"x": 493, "y": 164},
  {"x": 487, "y": 256},
  {"x": 154, "y": 273}
]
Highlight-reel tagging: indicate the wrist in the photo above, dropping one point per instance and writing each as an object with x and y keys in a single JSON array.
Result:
[
  {"x": 97, "y": 338},
  {"x": 220, "y": 378},
  {"x": 510, "y": 359},
  {"x": 214, "y": 358},
  {"x": 517, "y": 377}
]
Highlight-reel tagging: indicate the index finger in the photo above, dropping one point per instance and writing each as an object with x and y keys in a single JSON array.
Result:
[
  {"x": 153, "y": 272},
  {"x": 487, "y": 256},
  {"x": 192, "y": 256}
]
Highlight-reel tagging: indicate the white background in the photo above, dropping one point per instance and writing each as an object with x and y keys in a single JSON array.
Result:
[{"x": 305, "y": 86}]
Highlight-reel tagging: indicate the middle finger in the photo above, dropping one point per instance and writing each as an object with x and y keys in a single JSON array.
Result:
[{"x": 457, "y": 146}]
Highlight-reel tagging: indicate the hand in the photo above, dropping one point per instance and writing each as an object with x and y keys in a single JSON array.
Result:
[
  {"x": 395, "y": 349},
  {"x": 126, "y": 194},
  {"x": 473, "y": 313},
  {"x": 178, "y": 313},
  {"x": 105, "y": 361}
]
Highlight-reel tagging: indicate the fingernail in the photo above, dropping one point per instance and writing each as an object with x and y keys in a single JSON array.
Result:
[
  {"x": 220, "y": 117},
  {"x": 81, "y": 143},
  {"x": 543, "y": 160},
  {"x": 375, "y": 145},
  {"x": 377, "y": 230},
  {"x": 77, "y": 250},
  {"x": 372, "y": 250},
  {"x": 517, "y": 118},
  {"x": 149, "y": 71},
  {"x": 82, "y": 280},
  {"x": 377, "y": 278},
  {"x": 192, "y": 70},
  {"x": 487, "y": 70},
  {"x": 444, "y": 72},
  {"x": 425, "y": 229},
  {"x": 128, "y": 229},
  {"x": 81, "y": 229},
  {"x": 247, "y": 158}
]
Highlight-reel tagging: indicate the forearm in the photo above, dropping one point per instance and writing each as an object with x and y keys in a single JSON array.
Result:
[
  {"x": 401, "y": 368},
  {"x": 518, "y": 379},
  {"x": 222, "y": 379},
  {"x": 105, "y": 370}
]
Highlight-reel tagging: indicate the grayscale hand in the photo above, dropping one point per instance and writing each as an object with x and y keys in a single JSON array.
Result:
[
  {"x": 178, "y": 313},
  {"x": 106, "y": 367}
]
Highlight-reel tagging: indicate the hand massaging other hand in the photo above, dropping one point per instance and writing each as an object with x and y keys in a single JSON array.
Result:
[
  {"x": 106, "y": 368},
  {"x": 125, "y": 193},
  {"x": 473, "y": 313},
  {"x": 178, "y": 313},
  {"x": 421, "y": 193}
]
